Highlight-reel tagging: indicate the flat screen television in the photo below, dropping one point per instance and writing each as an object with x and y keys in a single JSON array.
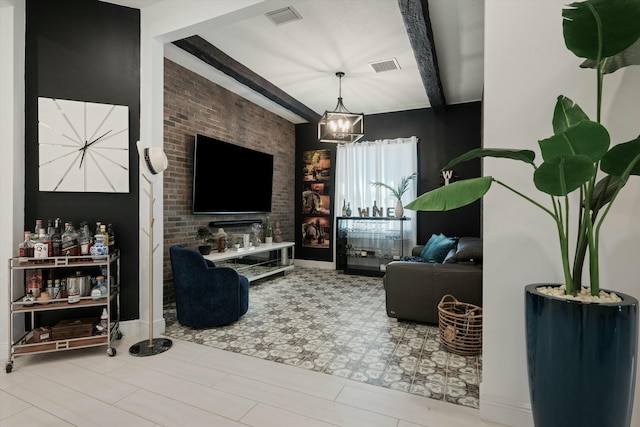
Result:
[{"x": 230, "y": 179}]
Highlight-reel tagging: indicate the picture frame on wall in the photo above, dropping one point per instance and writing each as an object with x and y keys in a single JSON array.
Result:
[
  {"x": 316, "y": 199},
  {"x": 317, "y": 165},
  {"x": 316, "y": 232}
]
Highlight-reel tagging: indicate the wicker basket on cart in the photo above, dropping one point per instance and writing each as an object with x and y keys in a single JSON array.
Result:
[{"x": 460, "y": 326}]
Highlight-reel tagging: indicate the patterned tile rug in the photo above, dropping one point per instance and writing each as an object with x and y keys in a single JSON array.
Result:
[{"x": 335, "y": 323}]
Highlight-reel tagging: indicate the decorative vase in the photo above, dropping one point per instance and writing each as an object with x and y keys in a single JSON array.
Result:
[
  {"x": 268, "y": 240},
  {"x": 399, "y": 209},
  {"x": 581, "y": 360},
  {"x": 99, "y": 250},
  {"x": 204, "y": 249}
]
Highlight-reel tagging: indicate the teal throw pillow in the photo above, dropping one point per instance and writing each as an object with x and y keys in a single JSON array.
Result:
[
  {"x": 433, "y": 239},
  {"x": 439, "y": 250}
]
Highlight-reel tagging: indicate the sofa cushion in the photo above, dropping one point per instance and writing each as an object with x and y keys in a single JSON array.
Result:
[
  {"x": 439, "y": 249},
  {"x": 469, "y": 250},
  {"x": 434, "y": 238}
]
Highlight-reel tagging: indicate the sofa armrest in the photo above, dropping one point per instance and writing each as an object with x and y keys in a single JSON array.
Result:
[
  {"x": 417, "y": 250},
  {"x": 413, "y": 290}
]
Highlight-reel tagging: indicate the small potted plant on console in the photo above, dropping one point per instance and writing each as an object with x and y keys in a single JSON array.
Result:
[{"x": 206, "y": 239}]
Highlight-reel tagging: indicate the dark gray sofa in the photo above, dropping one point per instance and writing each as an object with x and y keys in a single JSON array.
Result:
[{"x": 414, "y": 289}]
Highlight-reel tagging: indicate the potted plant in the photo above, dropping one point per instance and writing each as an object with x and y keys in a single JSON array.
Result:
[
  {"x": 268, "y": 231},
  {"x": 581, "y": 349},
  {"x": 398, "y": 191},
  {"x": 206, "y": 239}
]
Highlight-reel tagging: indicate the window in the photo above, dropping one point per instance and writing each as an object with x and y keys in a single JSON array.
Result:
[{"x": 388, "y": 161}]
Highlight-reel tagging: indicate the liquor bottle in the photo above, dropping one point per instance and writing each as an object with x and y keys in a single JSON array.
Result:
[
  {"x": 70, "y": 241},
  {"x": 56, "y": 239},
  {"x": 349, "y": 209},
  {"x": 63, "y": 286},
  {"x": 98, "y": 224},
  {"x": 26, "y": 248},
  {"x": 104, "y": 321},
  {"x": 375, "y": 208},
  {"x": 112, "y": 238},
  {"x": 85, "y": 239},
  {"x": 50, "y": 289},
  {"x": 344, "y": 207},
  {"x": 50, "y": 233},
  {"x": 40, "y": 248},
  {"x": 99, "y": 250},
  {"x": 34, "y": 282},
  {"x": 57, "y": 290},
  {"x": 37, "y": 228},
  {"x": 99, "y": 291},
  {"x": 105, "y": 235}
]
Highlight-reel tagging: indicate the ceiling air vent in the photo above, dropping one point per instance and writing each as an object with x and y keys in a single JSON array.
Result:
[
  {"x": 284, "y": 15},
  {"x": 385, "y": 65}
]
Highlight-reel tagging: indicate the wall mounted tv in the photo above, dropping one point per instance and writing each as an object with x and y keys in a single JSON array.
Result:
[{"x": 230, "y": 179}]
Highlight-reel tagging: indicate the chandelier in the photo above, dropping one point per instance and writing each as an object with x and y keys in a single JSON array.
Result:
[{"x": 340, "y": 125}]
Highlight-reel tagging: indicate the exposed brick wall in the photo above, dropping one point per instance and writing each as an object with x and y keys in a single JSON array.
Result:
[{"x": 193, "y": 104}]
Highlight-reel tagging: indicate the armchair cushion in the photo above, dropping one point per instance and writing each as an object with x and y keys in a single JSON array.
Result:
[{"x": 206, "y": 295}]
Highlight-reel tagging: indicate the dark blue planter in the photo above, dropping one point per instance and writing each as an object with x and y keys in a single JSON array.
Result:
[{"x": 581, "y": 360}]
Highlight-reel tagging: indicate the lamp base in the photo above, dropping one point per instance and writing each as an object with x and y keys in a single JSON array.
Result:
[{"x": 150, "y": 348}]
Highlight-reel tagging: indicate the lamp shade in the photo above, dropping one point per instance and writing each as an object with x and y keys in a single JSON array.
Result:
[
  {"x": 153, "y": 157},
  {"x": 340, "y": 125}
]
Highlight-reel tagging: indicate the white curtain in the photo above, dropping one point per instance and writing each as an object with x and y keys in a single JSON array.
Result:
[{"x": 384, "y": 160}]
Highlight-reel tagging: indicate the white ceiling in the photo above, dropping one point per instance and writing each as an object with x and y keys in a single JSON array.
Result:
[{"x": 301, "y": 57}]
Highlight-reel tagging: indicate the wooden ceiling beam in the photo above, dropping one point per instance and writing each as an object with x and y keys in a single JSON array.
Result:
[
  {"x": 415, "y": 14},
  {"x": 202, "y": 49}
]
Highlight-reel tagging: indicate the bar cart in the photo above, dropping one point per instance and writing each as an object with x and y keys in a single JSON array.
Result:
[{"x": 29, "y": 332}]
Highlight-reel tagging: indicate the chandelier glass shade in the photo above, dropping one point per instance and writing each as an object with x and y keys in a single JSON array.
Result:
[{"x": 340, "y": 125}]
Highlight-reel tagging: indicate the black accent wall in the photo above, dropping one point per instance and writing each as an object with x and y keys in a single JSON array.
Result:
[
  {"x": 442, "y": 137},
  {"x": 86, "y": 50}
]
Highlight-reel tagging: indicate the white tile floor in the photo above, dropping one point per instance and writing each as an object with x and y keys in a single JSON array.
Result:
[{"x": 195, "y": 385}]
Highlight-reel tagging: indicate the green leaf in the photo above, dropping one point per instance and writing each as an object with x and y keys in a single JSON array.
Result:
[
  {"x": 621, "y": 157},
  {"x": 566, "y": 114},
  {"x": 563, "y": 174},
  {"x": 526, "y": 156},
  {"x": 604, "y": 191},
  {"x": 597, "y": 29},
  {"x": 402, "y": 188},
  {"x": 629, "y": 56},
  {"x": 452, "y": 196},
  {"x": 587, "y": 138}
]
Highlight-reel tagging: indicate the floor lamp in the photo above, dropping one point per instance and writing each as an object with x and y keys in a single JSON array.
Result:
[{"x": 155, "y": 162}]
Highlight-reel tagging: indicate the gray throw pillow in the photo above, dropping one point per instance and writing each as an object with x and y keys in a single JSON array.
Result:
[{"x": 469, "y": 250}]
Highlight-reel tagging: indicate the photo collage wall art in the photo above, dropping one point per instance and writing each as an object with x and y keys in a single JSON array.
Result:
[{"x": 316, "y": 231}]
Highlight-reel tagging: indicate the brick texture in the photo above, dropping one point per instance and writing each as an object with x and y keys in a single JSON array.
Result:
[{"x": 193, "y": 104}]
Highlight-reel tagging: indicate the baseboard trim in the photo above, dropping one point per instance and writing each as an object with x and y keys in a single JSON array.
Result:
[
  {"x": 507, "y": 412},
  {"x": 134, "y": 327},
  {"x": 314, "y": 264}
]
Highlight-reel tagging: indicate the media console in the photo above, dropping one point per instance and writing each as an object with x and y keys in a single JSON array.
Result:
[{"x": 257, "y": 262}]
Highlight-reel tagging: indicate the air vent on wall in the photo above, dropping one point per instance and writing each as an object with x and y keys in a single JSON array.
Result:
[
  {"x": 284, "y": 15},
  {"x": 385, "y": 65}
]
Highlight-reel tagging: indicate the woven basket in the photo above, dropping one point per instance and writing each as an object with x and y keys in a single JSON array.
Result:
[{"x": 460, "y": 326}]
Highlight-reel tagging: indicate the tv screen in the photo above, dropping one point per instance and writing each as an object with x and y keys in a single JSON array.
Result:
[{"x": 230, "y": 179}]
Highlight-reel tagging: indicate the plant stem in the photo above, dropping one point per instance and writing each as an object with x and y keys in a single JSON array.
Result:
[
  {"x": 530, "y": 200},
  {"x": 562, "y": 235}
]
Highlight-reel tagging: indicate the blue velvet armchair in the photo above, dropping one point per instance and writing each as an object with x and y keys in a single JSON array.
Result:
[{"x": 206, "y": 295}]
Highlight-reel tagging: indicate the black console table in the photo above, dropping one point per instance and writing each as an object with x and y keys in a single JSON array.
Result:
[{"x": 365, "y": 245}]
